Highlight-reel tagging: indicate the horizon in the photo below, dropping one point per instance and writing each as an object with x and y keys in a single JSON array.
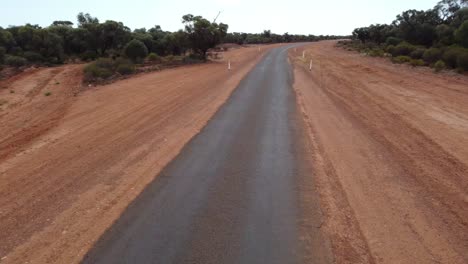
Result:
[{"x": 169, "y": 15}]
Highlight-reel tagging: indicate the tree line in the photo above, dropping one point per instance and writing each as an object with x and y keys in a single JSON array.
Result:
[
  {"x": 91, "y": 39},
  {"x": 436, "y": 37},
  {"x": 267, "y": 37}
]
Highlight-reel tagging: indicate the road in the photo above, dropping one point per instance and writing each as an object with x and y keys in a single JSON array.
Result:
[
  {"x": 229, "y": 197},
  {"x": 71, "y": 162}
]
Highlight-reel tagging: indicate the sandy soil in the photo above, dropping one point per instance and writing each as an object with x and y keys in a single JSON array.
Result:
[
  {"x": 70, "y": 163},
  {"x": 390, "y": 154}
]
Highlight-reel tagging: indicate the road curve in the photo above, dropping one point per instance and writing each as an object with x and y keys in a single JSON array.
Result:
[{"x": 230, "y": 195}]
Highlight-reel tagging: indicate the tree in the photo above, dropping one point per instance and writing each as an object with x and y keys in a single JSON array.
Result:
[
  {"x": 136, "y": 50},
  {"x": 461, "y": 34},
  {"x": 362, "y": 34},
  {"x": 203, "y": 34},
  {"x": 62, "y": 23}
]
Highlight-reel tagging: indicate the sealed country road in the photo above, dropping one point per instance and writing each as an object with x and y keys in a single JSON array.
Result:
[{"x": 230, "y": 196}]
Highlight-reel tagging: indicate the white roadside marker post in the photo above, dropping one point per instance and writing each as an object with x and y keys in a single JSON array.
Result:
[
  {"x": 310, "y": 66},
  {"x": 229, "y": 64},
  {"x": 303, "y": 54}
]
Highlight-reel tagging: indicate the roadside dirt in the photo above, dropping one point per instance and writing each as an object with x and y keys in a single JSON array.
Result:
[
  {"x": 390, "y": 155},
  {"x": 70, "y": 163}
]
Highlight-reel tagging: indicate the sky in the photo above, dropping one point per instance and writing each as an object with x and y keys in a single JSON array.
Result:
[{"x": 338, "y": 17}]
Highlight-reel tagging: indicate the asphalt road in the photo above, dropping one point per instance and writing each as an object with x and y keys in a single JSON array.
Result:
[{"x": 230, "y": 195}]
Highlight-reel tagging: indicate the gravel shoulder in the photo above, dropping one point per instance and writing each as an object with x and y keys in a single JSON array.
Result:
[
  {"x": 389, "y": 145},
  {"x": 71, "y": 163}
]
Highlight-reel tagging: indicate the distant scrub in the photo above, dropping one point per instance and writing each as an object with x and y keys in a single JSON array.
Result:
[
  {"x": 432, "y": 55},
  {"x": 462, "y": 61},
  {"x": 439, "y": 66},
  {"x": 401, "y": 59},
  {"x": 103, "y": 69},
  {"x": 15, "y": 61},
  {"x": 417, "y": 62},
  {"x": 435, "y": 36}
]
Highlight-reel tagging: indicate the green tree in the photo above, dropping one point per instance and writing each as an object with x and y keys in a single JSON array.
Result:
[
  {"x": 202, "y": 34},
  {"x": 136, "y": 50},
  {"x": 461, "y": 34}
]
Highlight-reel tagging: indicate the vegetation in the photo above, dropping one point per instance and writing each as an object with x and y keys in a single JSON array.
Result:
[
  {"x": 436, "y": 36},
  {"x": 136, "y": 50},
  {"x": 116, "y": 50},
  {"x": 92, "y": 39},
  {"x": 268, "y": 37}
]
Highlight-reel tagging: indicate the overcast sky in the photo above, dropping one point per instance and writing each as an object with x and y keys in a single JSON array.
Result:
[{"x": 338, "y": 17}]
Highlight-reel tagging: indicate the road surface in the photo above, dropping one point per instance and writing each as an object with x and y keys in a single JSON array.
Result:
[{"x": 229, "y": 196}]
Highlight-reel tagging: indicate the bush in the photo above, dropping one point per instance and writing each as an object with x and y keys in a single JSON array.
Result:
[
  {"x": 32, "y": 56},
  {"x": 390, "y": 49},
  {"x": 2, "y": 54},
  {"x": 418, "y": 53},
  {"x": 105, "y": 63},
  {"x": 124, "y": 67},
  {"x": 89, "y": 55},
  {"x": 432, "y": 55},
  {"x": 439, "y": 66},
  {"x": 376, "y": 53},
  {"x": 393, "y": 41},
  {"x": 103, "y": 69},
  {"x": 169, "y": 58},
  {"x": 193, "y": 58},
  {"x": 136, "y": 50},
  {"x": 461, "y": 34},
  {"x": 94, "y": 72},
  {"x": 401, "y": 59},
  {"x": 403, "y": 49},
  {"x": 417, "y": 62},
  {"x": 451, "y": 55},
  {"x": 15, "y": 61},
  {"x": 153, "y": 57},
  {"x": 462, "y": 61}
]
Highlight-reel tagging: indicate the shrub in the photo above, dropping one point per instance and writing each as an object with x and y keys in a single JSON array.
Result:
[
  {"x": 376, "y": 53},
  {"x": 432, "y": 55},
  {"x": 169, "y": 58},
  {"x": 89, "y": 55},
  {"x": 193, "y": 58},
  {"x": 32, "y": 56},
  {"x": 461, "y": 34},
  {"x": 105, "y": 63},
  {"x": 2, "y": 54},
  {"x": 47, "y": 93},
  {"x": 103, "y": 69},
  {"x": 136, "y": 50},
  {"x": 401, "y": 59},
  {"x": 451, "y": 55},
  {"x": 393, "y": 41},
  {"x": 125, "y": 69},
  {"x": 417, "y": 62},
  {"x": 439, "y": 66},
  {"x": 94, "y": 72},
  {"x": 153, "y": 57},
  {"x": 403, "y": 49},
  {"x": 417, "y": 53},
  {"x": 15, "y": 61},
  {"x": 390, "y": 49},
  {"x": 462, "y": 61}
]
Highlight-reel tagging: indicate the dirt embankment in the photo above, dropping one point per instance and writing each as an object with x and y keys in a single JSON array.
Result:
[
  {"x": 390, "y": 156},
  {"x": 70, "y": 165}
]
